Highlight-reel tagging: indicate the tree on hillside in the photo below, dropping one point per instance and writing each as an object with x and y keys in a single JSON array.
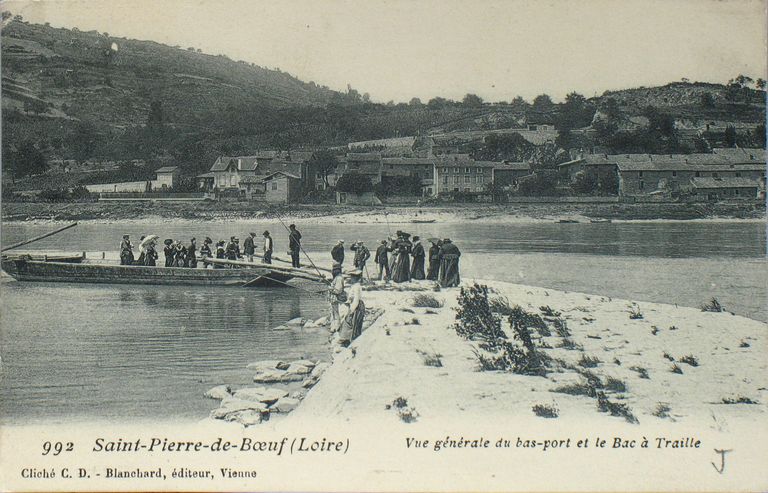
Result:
[
  {"x": 437, "y": 103},
  {"x": 730, "y": 136},
  {"x": 27, "y": 160},
  {"x": 543, "y": 102},
  {"x": 504, "y": 147},
  {"x": 707, "y": 101},
  {"x": 83, "y": 141},
  {"x": 472, "y": 101},
  {"x": 743, "y": 80},
  {"x": 519, "y": 103},
  {"x": 575, "y": 112},
  {"x": 760, "y": 135},
  {"x": 760, "y": 84},
  {"x": 415, "y": 102},
  {"x": 323, "y": 162},
  {"x": 354, "y": 183}
]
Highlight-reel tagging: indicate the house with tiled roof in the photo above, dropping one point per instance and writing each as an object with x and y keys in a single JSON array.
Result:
[
  {"x": 243, "y": 175},
  {"x": 643, "y": 174}
]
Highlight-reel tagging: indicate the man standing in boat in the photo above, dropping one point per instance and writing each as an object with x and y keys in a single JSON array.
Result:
[
  {"x": 126, "y": 251},
  {"x": 382, "y": 261},
  {"x": 362, "y": 254},
  {"x": 268, "y": 247},
  {"x": 294, "y": 245},
  {"x": 248, "y": 246},
  {"x": 191, "y": 259},
  {"x": 337, "y": 252}
]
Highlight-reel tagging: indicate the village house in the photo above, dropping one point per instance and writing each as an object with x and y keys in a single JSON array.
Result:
[
  {"x": 282, "y": 187},
  {"x": 167, "y": 177},
  {"x": 460, "y": 173},
  {"x": 725, "y": 188},
  {"x": 645, "y": 174},
  {"x": 507, "y": 174},
  {"x": 364, "y": 163},
  {"x": 249, "y": 176},
  {"x": 422, "y": 169}
]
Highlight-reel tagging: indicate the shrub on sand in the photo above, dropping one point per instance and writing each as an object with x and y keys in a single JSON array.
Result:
[{"x": 546, "y": 410}]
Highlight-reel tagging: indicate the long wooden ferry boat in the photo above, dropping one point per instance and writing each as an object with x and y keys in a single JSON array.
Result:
[
  {"x": 24, "y": 269},
  {"x": 74, "y": 268}
]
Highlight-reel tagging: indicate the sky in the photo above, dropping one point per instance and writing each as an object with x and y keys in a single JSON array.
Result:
[{"x": 399, "y": 49}]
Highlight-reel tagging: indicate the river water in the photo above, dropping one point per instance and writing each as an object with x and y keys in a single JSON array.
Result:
[{"x": 73, "y": 352}]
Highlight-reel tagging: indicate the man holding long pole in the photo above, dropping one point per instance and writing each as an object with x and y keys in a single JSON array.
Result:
[{"x": 294, "y": 245}]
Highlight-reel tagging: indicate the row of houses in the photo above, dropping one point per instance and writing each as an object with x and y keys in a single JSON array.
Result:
[
  {"x": 731, "y": 173},
  {"x": 285, "y": 177},
  {"x": 288, "y": 176}
]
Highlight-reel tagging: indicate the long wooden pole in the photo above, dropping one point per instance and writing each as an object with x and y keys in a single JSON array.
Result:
[
  {"x": 279, "y": 259},
  {"x": 46, "y": 235},
  {"x": 286, "y": 270}
]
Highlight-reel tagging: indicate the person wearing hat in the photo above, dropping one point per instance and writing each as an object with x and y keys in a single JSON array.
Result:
[
  {"x": 268, "y": 247},
  {"x": 294, "y": 245},
  {"x": 401, "y": 272},
  {"x": 181, "y": 255},
  {"x": 336, "y": 296},
  {"x": 352, "y": 324},
  {"x": 221, "y": 253},
  {"x": 126, "y": 251},
  {"x": 382, "y": 261},
  {"x": 434, "y": 259},
  {"x": 362, "y": 254},
  {"x": 150, "y": 254},
  {"x": 248, "y": 247},
  {"x": 418, "y": 254},
  {"x": 170, "y": 252},
  {"x": 337, "y": 252},
  {"x": 449, "y": 264},
  {"x": 233, "y": 248},
  {"x": 205, "y": 250},
  {"x": 142, "y": 252},
  {"x": 191, "y": 259}
]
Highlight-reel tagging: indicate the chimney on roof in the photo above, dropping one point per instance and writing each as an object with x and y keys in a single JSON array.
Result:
[{"x": 239, "y": 163}]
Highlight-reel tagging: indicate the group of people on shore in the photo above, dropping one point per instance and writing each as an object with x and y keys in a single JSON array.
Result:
[
  {"x": 401, "y": 259},
  {"x": 178, "y": 254}
]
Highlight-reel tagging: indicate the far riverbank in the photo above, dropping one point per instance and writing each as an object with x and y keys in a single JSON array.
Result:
[{"x": 332, "y": 213}]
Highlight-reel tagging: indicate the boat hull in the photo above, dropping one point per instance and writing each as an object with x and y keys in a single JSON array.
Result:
[{"x": 25, "y": 270}]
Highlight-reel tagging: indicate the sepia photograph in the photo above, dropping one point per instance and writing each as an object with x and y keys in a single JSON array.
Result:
[{"x": 391, "y": 245}]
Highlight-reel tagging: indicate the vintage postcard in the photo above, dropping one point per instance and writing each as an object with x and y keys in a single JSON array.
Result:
[{"x": 423, "y": 245}]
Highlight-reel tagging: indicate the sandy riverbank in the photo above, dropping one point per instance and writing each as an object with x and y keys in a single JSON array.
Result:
[
  {"x": 391, "y": 360},
  {"x": 330, "y": 213},
  {"x": 673, "y": 365}
]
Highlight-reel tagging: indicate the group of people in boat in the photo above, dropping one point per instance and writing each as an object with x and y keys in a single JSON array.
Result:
[
  {"x": 401, "y": 259},
  {"x": 179, "y": 254}
]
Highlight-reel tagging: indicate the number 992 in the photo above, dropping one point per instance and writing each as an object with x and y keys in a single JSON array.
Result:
[{"x": 56, "y": 448}]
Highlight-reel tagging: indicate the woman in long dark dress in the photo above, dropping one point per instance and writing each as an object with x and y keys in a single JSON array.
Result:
[
  {"x": 417, "y": 267},
  {"x": 401, "y": 272},
  {"x": 434, "y": 260},
  {"x": 150, "y": 255},
  {"x": 170, "y": 252},
  {"x": 449, "y": 268}
]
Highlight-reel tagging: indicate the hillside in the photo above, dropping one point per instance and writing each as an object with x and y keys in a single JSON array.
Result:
[
  {"x": 693, "y": 101},
  {"x": 110, "y": 80}
]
